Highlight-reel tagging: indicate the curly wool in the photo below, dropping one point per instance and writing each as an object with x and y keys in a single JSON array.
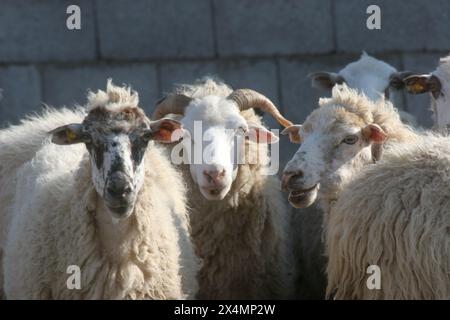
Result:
[
  {"x": 149, "y": 255},
  {"x": 380, "y": 112},
  {"x": 394, "y": 215},
  {"x": 140, "y": 261},
  {"x": 243, "y": 240}
]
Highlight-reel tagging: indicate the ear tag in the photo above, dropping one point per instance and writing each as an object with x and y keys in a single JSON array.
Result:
[
  {"x": 417, "y": 87},
  {"x": 71, "y": 136}
]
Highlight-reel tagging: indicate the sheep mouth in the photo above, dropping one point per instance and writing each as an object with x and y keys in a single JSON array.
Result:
[
  {"x": 211, "y": 193},
  {"x": 302, "y": 198},
  {"x": 120, "y": 211}
]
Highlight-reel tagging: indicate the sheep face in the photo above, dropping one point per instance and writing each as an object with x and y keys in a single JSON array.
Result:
[
  {"x": 370, "y": 76},
  {"x": 334, "y": 144},
  {"x": 214, "y": 143},
  {"x": 437, "y": 84},
  {"x": 117, "y": 140}
]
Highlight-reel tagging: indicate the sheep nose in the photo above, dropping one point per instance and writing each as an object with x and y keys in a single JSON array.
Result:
[
  {"x": 119, "y": 187},
  {"x": 214, "y": 176},
  {"x": 289, "y": 179},
  {"x": 119, "y": 191}
]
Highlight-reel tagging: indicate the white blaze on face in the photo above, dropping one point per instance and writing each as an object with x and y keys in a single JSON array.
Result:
[
  {"x": 369, "y": 76},
  {"x": 213, "y": 124},
  {"x": 116, "y": 154},
  {"x": 326, "y": 159},
  {"x": 310, "y": 159}
]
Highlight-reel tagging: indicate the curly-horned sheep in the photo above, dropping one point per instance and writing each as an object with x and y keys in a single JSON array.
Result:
[
  {"x": 389, "y": 231},
  {"x": 116, "y": 211},
  {"x": 240, "y": 223}
]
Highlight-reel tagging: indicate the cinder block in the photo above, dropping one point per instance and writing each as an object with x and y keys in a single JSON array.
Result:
[
  {"x": 20, "y": 93},
  {"x": 406, "y": 25},
  {"x": 69, "y": 86},
  {"x": 257, "y": 75},
  {"x": 155, "y": 29},
  {"x": 266, "y": 27},
  {"x": 35, "y": 31}
]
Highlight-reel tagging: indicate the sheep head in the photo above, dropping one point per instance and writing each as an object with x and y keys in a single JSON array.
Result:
[
  {"x": 116, "y": 133},
  {"x": 216, "y": 133},
  {"x": 372, "y": 77},
  {"x": 437, "y": 84},
  {"x": 337, "y": 139}
]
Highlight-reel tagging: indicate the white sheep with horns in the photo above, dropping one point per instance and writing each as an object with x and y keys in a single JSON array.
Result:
[
  {"x": 116, "y": 211},
  {"x": 240, "y": 223}
]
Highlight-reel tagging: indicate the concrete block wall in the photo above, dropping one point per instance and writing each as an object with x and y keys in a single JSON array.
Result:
[{"x": 266, "y": 45}]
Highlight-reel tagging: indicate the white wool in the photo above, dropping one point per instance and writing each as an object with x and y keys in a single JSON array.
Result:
[
  {"x": 373, "y": 80},
  {"x": 394, "y": 215}
]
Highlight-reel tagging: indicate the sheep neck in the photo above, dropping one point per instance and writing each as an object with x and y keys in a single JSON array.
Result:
[{"x": 113, "y": 233}]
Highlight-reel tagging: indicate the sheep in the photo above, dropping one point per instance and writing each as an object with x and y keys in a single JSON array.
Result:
[
  {"x": 116, "y": 211},
  {"x": 346, "y": 276},
  {"x": 239, "y": 221},
  {"x": 437, "y": 84},
  {"x": 19, "y": 144},
  {"x": 346, "y": 133},
  {"x": 376, "y": 79},
  {"x": 373, "y": 77},
  {"x": 394, "y": 216}
]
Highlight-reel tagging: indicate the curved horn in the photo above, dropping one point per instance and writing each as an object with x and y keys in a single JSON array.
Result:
[
  {"x": 175, "y": 103},
  {"x": 247, "y": 98}
]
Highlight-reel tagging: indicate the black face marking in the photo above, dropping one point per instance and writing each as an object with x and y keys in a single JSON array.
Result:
[
  {"x": 97, "y": 150},
  {"x": 117, "y": 165},
  {"x": 138, "y": 147}
]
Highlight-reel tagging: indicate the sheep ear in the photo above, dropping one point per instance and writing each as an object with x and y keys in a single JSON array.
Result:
[
  {"x": 417, "y": 84},
  {"x": 377, "y": 151},
  {"x": 294, "y": 133},
  {"x": 396, "y": 80},
  {"x": 374, "y": 133},
  {"x": 259, "y": 134},
  {"x": 166, "y": 130},
  {"x": 325, "y": 80},
  {"x": 68, "y": 134}
]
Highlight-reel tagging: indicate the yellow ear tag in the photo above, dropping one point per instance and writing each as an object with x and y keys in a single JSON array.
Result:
[
  {"x": 70, "y": 135},
  {"x": 417, "y": 87}
]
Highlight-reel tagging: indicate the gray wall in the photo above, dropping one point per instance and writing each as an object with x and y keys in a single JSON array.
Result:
[{"x": 268, "y": 45}]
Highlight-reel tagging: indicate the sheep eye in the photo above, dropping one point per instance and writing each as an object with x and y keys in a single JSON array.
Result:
[{"x": 351, "y": 139}]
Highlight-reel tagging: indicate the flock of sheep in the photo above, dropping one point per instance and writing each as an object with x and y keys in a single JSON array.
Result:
[{"x": 97, "y": 187}]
